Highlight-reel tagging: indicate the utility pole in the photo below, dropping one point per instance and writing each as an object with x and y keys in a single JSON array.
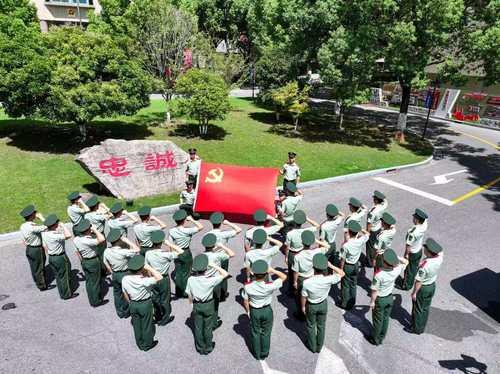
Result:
[{"x": 431, "y": 101}]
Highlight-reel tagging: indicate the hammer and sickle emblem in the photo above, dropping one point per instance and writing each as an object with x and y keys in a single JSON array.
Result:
[{"x": 214, "y": 176}]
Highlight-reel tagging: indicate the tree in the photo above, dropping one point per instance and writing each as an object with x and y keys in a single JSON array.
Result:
[
  {"x": 205, "y": 97},
  {"x": 290, "y": 99}
]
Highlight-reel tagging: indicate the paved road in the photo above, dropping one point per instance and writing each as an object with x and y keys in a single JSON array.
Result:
[{"x": 44, "y": 334}]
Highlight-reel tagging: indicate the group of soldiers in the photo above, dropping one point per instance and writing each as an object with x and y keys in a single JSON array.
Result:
[{"x": 140, "y": 270}]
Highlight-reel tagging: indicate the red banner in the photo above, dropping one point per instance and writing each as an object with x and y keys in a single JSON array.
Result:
[{"x": 236, "y": 191}]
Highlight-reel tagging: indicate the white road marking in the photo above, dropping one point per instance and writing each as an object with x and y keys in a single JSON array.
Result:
[
  {"x": 441, "y": 179},
  {"x": 415, "y": 191},
  {"x": 329, "y": 363},
  {"x": 267, "y": 370}
]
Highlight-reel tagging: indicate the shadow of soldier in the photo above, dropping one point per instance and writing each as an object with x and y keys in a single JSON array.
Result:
[{"x": 466, "y": 365}]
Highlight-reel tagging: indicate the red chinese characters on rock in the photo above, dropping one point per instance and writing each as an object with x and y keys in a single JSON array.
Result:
[
  {"x": 114, "y": 166},
  {"x": 159, "y": 161}
]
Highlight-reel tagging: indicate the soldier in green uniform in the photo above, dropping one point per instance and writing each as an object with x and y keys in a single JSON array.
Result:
[
  {"x": 77, "y": 208},
  {"x": 385, "y": 236},
  {"x": 98, "y": 216},
  {"x": 200, "y": 290},
  {"x": 86, "y": 249},
  {"x": 122, "y": 219},
  {"x": 290, "y": 171},
  {"x": 261, "y": 217},
  {"x": 54, "y": 243},
  {"x": 181, "y": 236},
  {"x": 116, "y": 260},
  {"x": 328, "y": 232},
  {"x": 349, "y": 257},
  {"x": 32, "y": 239},
  {"x": 223, "y": 236},
  {"x": 374, "y": 225},
  {"x": 144, "y": 229},
  {"x": 257, "y": 298},
  {"x": 193, "y": 166},
  {"x": 289, "y": 205},
  {"x": 356, "y": 213},
  {"x": 314, "y": 302},
  {"x": 413, "y": 251},
  {"x": 187, "y": 197},
  {"x": 425, "y": 285},
  {"x": 259, "y": 252},
  {"x": 293, "y": 243},
  {"x": 162, "y": 260},
  {"x": 388, "y": 269},
  {"x": 137, "y": 290}
]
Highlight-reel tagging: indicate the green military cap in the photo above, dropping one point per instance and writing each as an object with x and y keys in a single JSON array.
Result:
[
  {"x": 116, "y": 207},
  {"x": 260, "y": 267},
  {"x": 260, "y": 215},
  {"x": 420, "y": 214},
  {"x": 200, "y": 262},
  {"x": 209, "y": 240},
  {"x": 157, "y": 236},
  {"x": 332, "y": 210},
  {"x": 83, "y": 226},
  {"x": 299, "y": 217},
  {"x": 144, "y": 211},
  {"x": 378, "y": 195},
  {"x": 259, "y": 236},
  {"x": 390, "y": 257},
  {"x": 180, "y": 215},
  {"x": 27, "y": 211},
  {"x": 216, "y": 218},
  {"x": 433, "y": 246},
  {"x": 320, "y": 262},
  {"x": 307, "y": 238},
  {"x": 50, "y": 220},
  {"x": 73, "y": 195},
  {"x": 355, "y": 202},
  {"x": 354, "y": 226},
  {"x": 92, "y": 201},
  {"x": 291, "y": 187},
  {"x": 136, "y": 263},
  {"x": 292, "y": 154},
  {"x": 388, "y": 218},
  {"x": 114, "y": 235}
]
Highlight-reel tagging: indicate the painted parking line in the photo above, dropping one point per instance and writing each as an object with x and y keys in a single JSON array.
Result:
[
  {"x": 476, "y": 191},
  {"x": 478, "y": 139}
]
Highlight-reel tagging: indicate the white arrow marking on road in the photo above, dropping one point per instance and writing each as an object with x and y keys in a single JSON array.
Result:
[
  {"x": 441, "y": 179},
  {"x": 267, "y": 370},
  {"x": 329, "y": 363}
]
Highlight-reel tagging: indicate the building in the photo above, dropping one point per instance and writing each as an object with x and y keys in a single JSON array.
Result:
[{"x": 64, "y": 12}]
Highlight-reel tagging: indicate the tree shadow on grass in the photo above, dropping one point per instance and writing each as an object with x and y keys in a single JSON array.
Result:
[{"x": 191, "y": 130}]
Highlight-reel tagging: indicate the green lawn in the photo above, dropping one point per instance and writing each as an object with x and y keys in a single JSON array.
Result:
[{"x": 37, "y": 158}]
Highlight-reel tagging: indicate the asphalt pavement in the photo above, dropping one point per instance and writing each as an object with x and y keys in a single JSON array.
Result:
[{"x": 43, "y": 334}]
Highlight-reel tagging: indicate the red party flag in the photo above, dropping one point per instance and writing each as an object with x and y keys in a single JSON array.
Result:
[{"x": 236, "y": 191}]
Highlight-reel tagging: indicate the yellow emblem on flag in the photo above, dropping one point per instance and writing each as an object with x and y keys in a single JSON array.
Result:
[{"x": 214, "y": 176}]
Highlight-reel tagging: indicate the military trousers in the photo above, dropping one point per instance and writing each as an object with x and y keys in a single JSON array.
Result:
[
  {"x": 411, "y": 270},
  {"x": 36, "y": 259},
  {"x": 291, "y": 261},
  {"x": 203, "y": 315},
  {"x": 371, "y": 252},
  {"x": 333, "y": 255},
  {"x": 183, "y": 265},
  {"x": 380, "y": 317},
  {"x": 121, "y": 304},
  {"x": 61, "y": 267},
  {"x": 142, "y": 321},
  {"x": 261, "y": 325},
  {"x": 100, "y": 252},
  {"x": 92, "y": 269},
  {"x": 161, "y": 300},
  {"x": 223, "y": 286},
  {"x": 144, "y": 250},
  {"x": 421, "y": 307},
  {"x": 315, "y": 325},
  {"x": 285, "y": 181},
  {"x": 348, "y": 285}
]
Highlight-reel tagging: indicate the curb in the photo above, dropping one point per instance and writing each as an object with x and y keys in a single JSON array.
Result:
[{"x": 168, "y": 209}]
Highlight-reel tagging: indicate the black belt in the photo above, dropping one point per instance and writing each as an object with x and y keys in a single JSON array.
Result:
[
  {"x": 34, "y": 246},
  {"x": 120, "y": 271},
  {"x": 202, "y": 302},
  {"x": 89, "y": 258},
  {"x": 262, "y": 307}
]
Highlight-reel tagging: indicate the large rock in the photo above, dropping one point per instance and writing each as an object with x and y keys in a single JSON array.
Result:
[{"x": 136, "y": 168}]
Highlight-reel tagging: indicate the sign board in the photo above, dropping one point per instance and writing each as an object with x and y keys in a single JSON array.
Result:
[
  {"x": 136, "y": 168},
  {"x": 447, "y": 103}
]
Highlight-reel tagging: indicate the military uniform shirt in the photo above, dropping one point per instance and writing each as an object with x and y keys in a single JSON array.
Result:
[
  {"x": 120, "y": 223},
  {"x": 193, "y": 167},
  {"x": 32, "y": 233},
  {"x": 375, "y": 214},
  {"x": 328, "y": 230},
  {"x": 201, "y": 288},
  {"x": 291, "y": 171},
  {"x": 265, "y": 254},
  {"x": 117, "y": 257},
  {"x": 260, "y": 293},
  {"x": 97, "y": 219},
  {"x": 181, "y": 235},
  {"x": 86, "y": 246},
  {"x": 215, "y": 258},
  {"x": 303, "y": 262},
  {"x": 160, "y": 260},
  {"x": 222, "y": 236},
  {"x": 289, "y": 206},
  {"x": 316, "y": 288},
  {"x": 351, "y": 250},
  {"x": 270, "y": 230},
  {"x": 428, "y": 270},
  {"x": 415, "y": 237},
  {"x": 383, "y": 280},
  {"x": 384, "y": 240},
  {"x": 187, "y": 197},
  {"x": 75, "y": 214},
  {"x": 356, "y": 216},
  {"x": 54, "y": 241},
  {"x": 143, "y": 232},
  {"x": 294, "y": 238},
  {"x": 138, "y": 287}
]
